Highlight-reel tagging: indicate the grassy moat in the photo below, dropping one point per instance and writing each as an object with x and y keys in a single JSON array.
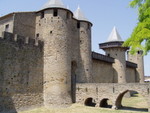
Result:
[{"x": 135, "y": 104}]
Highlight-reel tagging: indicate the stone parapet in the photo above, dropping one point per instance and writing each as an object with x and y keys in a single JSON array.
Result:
[{"x": 20, "y": 40}]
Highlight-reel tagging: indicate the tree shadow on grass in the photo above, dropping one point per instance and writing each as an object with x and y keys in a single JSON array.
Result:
[{"x": 134, "y": 109}]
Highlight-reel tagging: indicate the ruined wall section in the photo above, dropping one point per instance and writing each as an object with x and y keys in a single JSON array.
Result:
[
  {"x": 21, "y": 73},
  {"x": 24, "y": 24}
]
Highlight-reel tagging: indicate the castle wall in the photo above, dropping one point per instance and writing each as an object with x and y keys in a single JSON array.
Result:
[
  {"x": 21, "y": 73},
  {"x": 7, "y": 21},
  {"x": 103, "y": 72},
  {"x": 131, "y": 75},
  {"x": 32, "y": 74},
  {"x": 24, "y": 24}
]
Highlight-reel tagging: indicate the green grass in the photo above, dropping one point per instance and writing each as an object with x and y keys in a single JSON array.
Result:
[{"x": 136, "y": 102}]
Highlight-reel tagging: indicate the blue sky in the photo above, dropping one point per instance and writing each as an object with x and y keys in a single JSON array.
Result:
[{"x": 104, "y": 14}]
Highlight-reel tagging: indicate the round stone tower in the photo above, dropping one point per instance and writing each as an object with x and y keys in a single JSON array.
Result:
[
  {"x": 84, "y": 27},
  {"x": 113, "y": 48},
  {"x": 138, "y": 59},
  {"x": 53, "y": 24}
]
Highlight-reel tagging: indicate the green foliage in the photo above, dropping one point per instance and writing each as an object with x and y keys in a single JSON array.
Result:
[{"x": 140, "y": 37}]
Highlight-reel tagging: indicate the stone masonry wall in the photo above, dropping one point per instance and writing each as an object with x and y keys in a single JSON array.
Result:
[
  {"x": 120, "y": 63},
  {"x": 103, "y": 72},
  {"x": 56, "y": 31},
  {"x": 138, "y": 58},
  {"x": 131, "y": 75},
  {"x": 21, "y": 73},
  {"x": 85, "y": 51},
  {"x": 110, "y": 91},
  {"x": 7, "y": 21},
  {"x": 24, "y": 24}
]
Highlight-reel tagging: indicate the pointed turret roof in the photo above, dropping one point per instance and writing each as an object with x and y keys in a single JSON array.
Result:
[
  {"x": 53, "y": 4},
  {"x": 114, "y": 36},
  {"x": 78, "y": 14},
  {"x": 114, "y": 41}
]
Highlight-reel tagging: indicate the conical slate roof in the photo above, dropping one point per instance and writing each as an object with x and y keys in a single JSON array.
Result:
[
  {"x": 78, "y": 14},
  {"x": 53, "y": 4},
  {"x": 114, "y": 36}
]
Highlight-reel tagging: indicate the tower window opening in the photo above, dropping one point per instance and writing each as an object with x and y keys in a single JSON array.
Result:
[
  {"x": 67, "y": 15},
  {"x": 81, "y": 41},
  {"x": 88, "y": 26},
  {"x": 37, "y": 36},
  {"x": 42, "y": 14},
  {"x": 7, "y": 28},
  {"x": 138, "y": 52},
  {"x": 78, "y": 25},
  {"x": 55, "y": 13},
  {"x": 51, "y": 32}
]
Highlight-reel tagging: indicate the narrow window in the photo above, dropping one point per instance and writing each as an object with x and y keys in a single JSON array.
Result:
[
  {"x": 51, "y": 32},
  {"x": 37, "y": 36},
  {"x": 7, "y": 28},
  {"x": 42, "y": 14},
  {"x": 78, "y": 25},
  {"x": 138, "y": 52},
  {"x": 55, "y": 13},
  {"x": 89, "y": 26},
  {"x": 67, "y": 15}
]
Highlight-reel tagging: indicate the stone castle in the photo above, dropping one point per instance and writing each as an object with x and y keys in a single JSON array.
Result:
[{"x": 46, "y": 60}]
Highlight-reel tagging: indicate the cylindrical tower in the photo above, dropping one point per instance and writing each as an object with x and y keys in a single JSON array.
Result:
[
  {"x": 138, "y": 59},
  {"x": 84, "y": 27},
  {"x": 113, "y": 48},
  {"x": 53, "y": 26}
]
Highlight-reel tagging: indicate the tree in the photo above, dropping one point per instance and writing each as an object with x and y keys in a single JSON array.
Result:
[{"x": 140, "y": 37}]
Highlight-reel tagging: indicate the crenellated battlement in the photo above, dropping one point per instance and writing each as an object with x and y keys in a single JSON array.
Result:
[{"x": 20, "y": 40}]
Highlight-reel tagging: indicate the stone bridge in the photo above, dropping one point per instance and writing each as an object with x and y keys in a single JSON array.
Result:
[{"x": 97, "y": 94}]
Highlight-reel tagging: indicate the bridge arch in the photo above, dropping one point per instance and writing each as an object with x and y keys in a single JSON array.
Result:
[
  {"x": 104, "y": 103},
  {"x": 118, "y": 102},
  {"x": 119, "y": 99},
  {"x": 90, "y": 102}
]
